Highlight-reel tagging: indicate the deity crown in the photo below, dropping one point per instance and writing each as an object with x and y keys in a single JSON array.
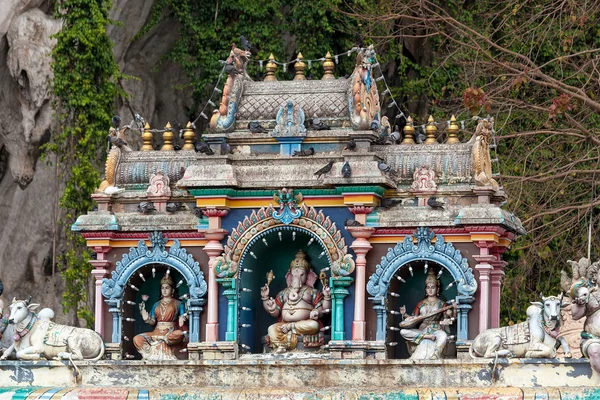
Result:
[
  {"x": 431, "y": 278},
  {"x": 167, "y": 279},
  {"x": 300, "y": 261}
]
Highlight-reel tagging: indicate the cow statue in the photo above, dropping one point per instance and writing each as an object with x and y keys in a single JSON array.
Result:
[
  {"x": 37, "y": 337},
  {"x": 535, "y": 338}
]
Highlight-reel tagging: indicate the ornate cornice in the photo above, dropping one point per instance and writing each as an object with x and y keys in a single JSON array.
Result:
[{"x": 141, "y": 235}]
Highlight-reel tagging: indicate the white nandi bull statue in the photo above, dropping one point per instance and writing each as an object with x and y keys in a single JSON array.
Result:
[
  {"x": 535, "y": 338},
  {"x": 38, "y": 337}
]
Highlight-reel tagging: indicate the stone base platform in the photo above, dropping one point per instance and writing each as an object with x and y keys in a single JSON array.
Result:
[{"x": 299, "y": 379}]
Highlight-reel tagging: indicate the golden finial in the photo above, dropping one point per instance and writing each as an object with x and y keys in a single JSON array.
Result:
[
  {"x": 271, "y": 68},
  {"x": 328, "y": 66},
  {"x": 167, "y": 138},
  {"x": 147, "y": 138},
  {"x": 409, "y": 131},
  {"x": 188, "y": 137},
  {"x": 452, "y": 131},
  {"x": 430, "y": 131},
  {"x": 299, "y": 68}
]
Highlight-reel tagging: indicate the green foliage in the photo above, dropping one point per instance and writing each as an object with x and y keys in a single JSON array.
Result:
[{"x": 85, "y": 89}]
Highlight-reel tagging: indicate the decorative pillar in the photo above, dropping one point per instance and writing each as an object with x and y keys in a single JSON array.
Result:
[
  {"x": 464, "y": 305},
  {"x": 100, "y": 271},
  {"x": 338, "y": 293},
  {"x": 213, "y": 248},
  {"x": 115, "y": 309},
  {"x": 379, "y": 308},
  {"x": 361, "y": 247},
  {"x": 194, "y": 309},
  {"x": 497, "y": 276},
  {"x": 484, "y": 268},
  {"x": 231, "y": 294}
]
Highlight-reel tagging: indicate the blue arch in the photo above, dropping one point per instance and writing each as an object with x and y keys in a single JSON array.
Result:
[
  {"x": 140, "y": 256},
  {"x": 439, "y": 252}
]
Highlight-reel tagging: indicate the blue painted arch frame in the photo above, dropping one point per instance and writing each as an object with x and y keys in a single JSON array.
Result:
[
  {"x": 425, "y": 249},
  {"x": 140, "y": 256}
]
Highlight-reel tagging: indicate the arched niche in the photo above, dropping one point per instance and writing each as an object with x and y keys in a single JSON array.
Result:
[
  {"x": 418, "y": 249},
  {"x": 290, "y": 228},
  {"x": 138, "y": 257}
]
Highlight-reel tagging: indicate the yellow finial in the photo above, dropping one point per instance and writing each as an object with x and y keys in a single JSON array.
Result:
[
  {"x": 328, "y": 67},
  {"x": 271, "y": 68},
  {"x": 430, "y": 131},
  {"x": 188, "y": 137},
  {"x": 147, "y": 138},
  {"x": 168, "y": 138},
  {"x": 452, "y": 131},
  {"x": 409, "y": 132},
  {"x": 299, "y": 66}
]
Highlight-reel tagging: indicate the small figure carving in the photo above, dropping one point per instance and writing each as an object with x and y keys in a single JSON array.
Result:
[
  {"x": 428, "y": 341},
  {"x": 482, "y": 163},
  {"x": 423, "y": 179},
  {"x": 299, "y": 307},
  {"x": 169, "y": 317},
  {"x": 289, "y": 121},
  {"x": 535, "y": 338},
  {"x": 571, "y": 329},
  {"x": 37, "y": 337},
  {"x": 159, "y": 185}
]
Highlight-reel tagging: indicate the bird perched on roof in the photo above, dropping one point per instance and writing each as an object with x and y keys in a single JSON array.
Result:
[
  {"x": 346, "y": 170},
  {"x": 396, "y": 135},
  {"x": 419, "y": 137},
  {"x": 435, "y": 203},
  {"x": 116, "y": 121},
  {"x": 231, "y": 69},
  {"x": 256, "y": 127},
  {"x": 146, "y": 207},
  {"x": 317, "y": 124},
  {"x": 172, "y": 207},
  {"x": 383, "y": 167},
  {"x": 351, "y": 145},
  {"x": 352, "y": 222},
  {"x": 375, "y": 125},
  {"x": 198, "y": 212},
  {"x": 139, "y": 121},
  {"x": 203, "y": 147},
  {"x": 389, "y": 203},
  {"x": 117, "y": 141},
  {"x": 246, "y": 45},
  {"x": 225, "y": 148},
  {"x": 324, "y": 170},
  {"x": 304, "y": 152}
]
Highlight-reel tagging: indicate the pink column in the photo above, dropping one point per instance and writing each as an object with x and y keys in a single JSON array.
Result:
[
  {"x": 213, "y": 248},
  {"x": 497, "y": 275},
  {"x": 361, "y": 247},
  {"x": 101, "y": 267},
  {"x": 484, "y": 268}
]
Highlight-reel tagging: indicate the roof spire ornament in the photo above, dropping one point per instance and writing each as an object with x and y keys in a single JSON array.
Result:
[
  {"x": 299, "y": 66},
  {"x": 430, "y": 131},
  {"x": 147, "y": 138},
  {"x": 453, "y": 131},
  {"x": 188, "y": 137},
  {"x": 409, "y": 131},
  {"x": 271, "y": 68},
  {"x": 168, "y": 138},
  {"x": 328, "y": 67}
]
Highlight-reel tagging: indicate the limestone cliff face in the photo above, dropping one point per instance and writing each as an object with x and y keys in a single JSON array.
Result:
[{"x": 29, "y": 190}]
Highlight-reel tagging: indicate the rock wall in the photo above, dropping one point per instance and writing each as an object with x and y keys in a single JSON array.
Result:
[{"x": 29, "y": 190}]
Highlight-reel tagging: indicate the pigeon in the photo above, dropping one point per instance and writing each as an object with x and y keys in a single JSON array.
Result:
[
  {"x": 351, "y": 145},
  {"x": 113, "y": 190},
  {"x": 246, "y": 45},
  {"x": 117, "y": 141},
  {"x": 256, "y": 127},
  {"x": 352, "y": 222},
  {"x": 389, "y": 203},
  {"x": 116, "y": 120},
  {"x": 176, "y": 147},
  {"x": 304, "y": 153},
  {"x": 139, "y": 120},
  {"x": 317, "y": 124},
  {"x": 435, "y": 204},
  {"x": 225, "y": 148},
  {"x": 375, "y": 125},
  {"x": 198, "y": 212},
  {"x": 395, "y": 136},
  {"x": 172, "y": 207},
  {"x": 346, "y": 171},
  {"x": 383, "y": 167},
  {"x": 203, "y": 147},
  {"x": 420, "y": 137},
  {"x": 146, "y": 207},
  {"x": 324, "y": 170},
  {"x": 358, "y": 40},
  {"x": 230, "y": 69}
]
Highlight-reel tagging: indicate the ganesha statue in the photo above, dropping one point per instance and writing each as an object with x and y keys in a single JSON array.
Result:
[{"x": 299, "y": 308}]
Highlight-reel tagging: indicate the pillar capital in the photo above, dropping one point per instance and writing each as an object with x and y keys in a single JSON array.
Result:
[
  {"x": 215, "y": 214},
  {"x": 360, "y": 211}
]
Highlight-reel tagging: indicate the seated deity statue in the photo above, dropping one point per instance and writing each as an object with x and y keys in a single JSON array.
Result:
[
  {"x": 168, "y": 316},
  {"x": 426, "y": 331},
  {"x": 586, "y": 303},
  {"x": 298, "y": 307}
]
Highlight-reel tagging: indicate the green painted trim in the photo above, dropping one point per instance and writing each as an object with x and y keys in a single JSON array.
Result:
[
  {"x": 231, "y": 294},
  {"x": 338, "y": 191},
  {"x": 338, "y": 293}
]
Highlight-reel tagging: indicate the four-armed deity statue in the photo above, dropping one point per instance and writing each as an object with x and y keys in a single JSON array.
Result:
[
  {"x": 168, "y": 316},
  {"x": 298, "y": 307},
  {"x": 426, "y": 331}
]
